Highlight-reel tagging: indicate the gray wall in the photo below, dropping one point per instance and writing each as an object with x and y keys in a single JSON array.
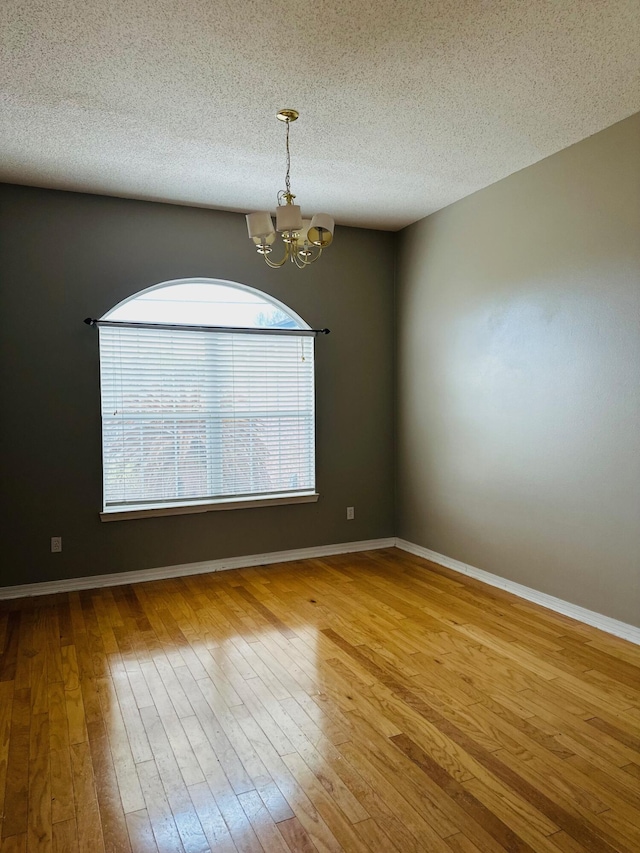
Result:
[
  {"x": 64, "y": 256},
  {"x": 518, "y": 383}
]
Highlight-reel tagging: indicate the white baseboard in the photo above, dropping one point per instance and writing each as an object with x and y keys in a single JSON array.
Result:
[
  {"x": 120, "y": 578},
  {"x": 589, "y": 617},
  {"x": 581, "y": 614}
]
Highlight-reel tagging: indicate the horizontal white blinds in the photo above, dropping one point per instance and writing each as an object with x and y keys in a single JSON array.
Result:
[{"x": 199, "y": 415}]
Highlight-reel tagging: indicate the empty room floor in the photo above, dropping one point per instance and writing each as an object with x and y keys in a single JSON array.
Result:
[{"x": 362, "y": 702}]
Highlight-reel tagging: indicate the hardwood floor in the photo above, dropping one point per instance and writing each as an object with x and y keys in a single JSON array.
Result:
[{"x": 365, "y": 702}]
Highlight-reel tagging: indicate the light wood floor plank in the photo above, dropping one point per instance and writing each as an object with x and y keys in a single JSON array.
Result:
[{"x": 367, "y": 703}]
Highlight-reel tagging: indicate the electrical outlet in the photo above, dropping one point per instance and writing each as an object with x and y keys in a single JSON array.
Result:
[
  {"x": 56, "y": 544},
  {"x": 351, "y": 513}
]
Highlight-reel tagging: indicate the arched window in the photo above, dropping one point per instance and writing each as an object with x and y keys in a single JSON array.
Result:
[{"x": 207, "y": 400}]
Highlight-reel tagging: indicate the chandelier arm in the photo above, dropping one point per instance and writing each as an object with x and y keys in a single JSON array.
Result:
[
  {"x": 275, "y": 264},
  {"x": 313, "y": 260}
]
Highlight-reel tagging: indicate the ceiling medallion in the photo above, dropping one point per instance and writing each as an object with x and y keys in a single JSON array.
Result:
[{"x": 303, "y": 239}]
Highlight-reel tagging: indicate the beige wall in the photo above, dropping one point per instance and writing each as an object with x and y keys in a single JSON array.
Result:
[
  {"x": 518, "y": 324},
  {"x": 65, "y": 256}
]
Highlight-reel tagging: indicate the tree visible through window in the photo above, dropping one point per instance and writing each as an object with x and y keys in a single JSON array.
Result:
[{"x": 207, "y": 396}]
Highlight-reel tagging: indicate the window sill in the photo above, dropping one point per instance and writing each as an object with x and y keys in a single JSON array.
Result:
[{"x": 209, "y": 506}]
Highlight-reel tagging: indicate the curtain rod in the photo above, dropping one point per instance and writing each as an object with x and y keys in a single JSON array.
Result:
[{"x": 123, "y": 324}]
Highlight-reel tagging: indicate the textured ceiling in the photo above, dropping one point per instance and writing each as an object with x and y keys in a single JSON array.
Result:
[{"x": 405, "y": 106}]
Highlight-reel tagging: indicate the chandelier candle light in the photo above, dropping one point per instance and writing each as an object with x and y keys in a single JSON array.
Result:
[{"x": 303, "y": 239}]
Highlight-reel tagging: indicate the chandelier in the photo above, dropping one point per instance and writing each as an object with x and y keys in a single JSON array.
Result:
[{"x": 304, "y": 239}]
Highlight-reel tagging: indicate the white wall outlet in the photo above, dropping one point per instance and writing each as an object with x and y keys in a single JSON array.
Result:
[
  {"x": 56, "y": 544},
  {"x": 351, "y": 513}
]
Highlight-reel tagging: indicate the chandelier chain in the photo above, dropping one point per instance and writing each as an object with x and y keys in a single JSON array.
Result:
[{"x": 287, "y": 179}]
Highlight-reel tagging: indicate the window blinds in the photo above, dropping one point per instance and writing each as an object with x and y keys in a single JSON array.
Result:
[{"x": 196, "y": 416}]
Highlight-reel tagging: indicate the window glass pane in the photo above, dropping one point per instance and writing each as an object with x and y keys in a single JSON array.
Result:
[{"x": 207, "y": 303}]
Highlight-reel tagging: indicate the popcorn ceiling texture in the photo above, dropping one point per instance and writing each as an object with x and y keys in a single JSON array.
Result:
[{"x": 405, "y": 106}]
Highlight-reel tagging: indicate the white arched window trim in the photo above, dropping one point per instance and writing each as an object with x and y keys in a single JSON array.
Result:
[{"x": 207, "y": 401}]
